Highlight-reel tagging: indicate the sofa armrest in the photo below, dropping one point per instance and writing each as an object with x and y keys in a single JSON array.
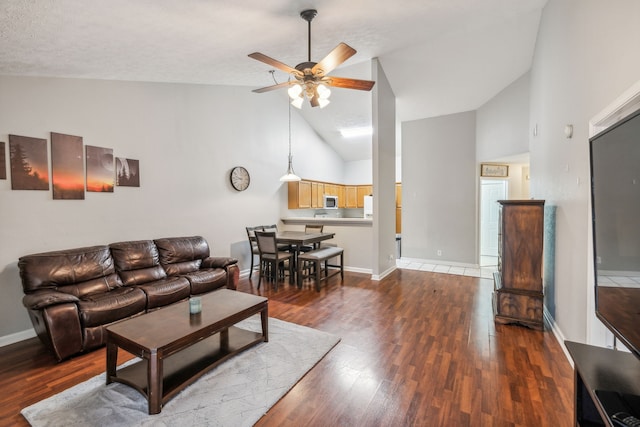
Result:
[
  {"x": 46, "y": 297},
  {"x": 218, "y": 262}
]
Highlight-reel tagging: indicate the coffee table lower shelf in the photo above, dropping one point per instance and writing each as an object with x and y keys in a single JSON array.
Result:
[{"x": 186, "y": 366}]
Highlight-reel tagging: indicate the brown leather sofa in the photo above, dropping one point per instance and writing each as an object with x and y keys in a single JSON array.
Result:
[{"x": 72, "y": 295}]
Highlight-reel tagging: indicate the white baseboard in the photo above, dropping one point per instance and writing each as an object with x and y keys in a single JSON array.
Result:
[
  {"x": 358, "y": 270},
  {"x": 378, "y": 277},
  {"x": 439, "y": 262},
  {"x": 557, "y": 333},
  {"x": 17, "y": 337}
]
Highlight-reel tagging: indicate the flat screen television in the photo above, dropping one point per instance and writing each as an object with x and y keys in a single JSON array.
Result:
[{"x": 615, "y": 199}]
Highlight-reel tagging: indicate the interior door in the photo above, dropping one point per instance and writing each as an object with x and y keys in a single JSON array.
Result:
[{"x": 491, "y": 190}]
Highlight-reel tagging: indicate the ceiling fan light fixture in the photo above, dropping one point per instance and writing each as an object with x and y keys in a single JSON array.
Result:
[
  {"x": 323, "y": 91},
  {"x": 294, "y": 91},
  {"x": 297, "y": 102},
  {"x": 323, "y": 102},
  {"x": 312, "y": 77}
]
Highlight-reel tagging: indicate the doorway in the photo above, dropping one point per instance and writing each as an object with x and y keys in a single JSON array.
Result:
[{"x": 491, "y": 190}]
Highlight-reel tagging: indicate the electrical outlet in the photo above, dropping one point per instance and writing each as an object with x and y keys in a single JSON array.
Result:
[
  {"x": 390, "y": 257},
  {"x": 439, "y": 252}
]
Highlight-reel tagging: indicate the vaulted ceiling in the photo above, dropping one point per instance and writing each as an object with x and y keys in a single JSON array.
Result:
[{"x": 440, "y": 56}]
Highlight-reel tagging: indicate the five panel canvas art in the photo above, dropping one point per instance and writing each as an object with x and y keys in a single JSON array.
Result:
[{"x": 72, "y": 171}]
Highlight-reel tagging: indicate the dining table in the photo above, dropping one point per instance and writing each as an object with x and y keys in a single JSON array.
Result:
[{"x": 298, "y": 239}]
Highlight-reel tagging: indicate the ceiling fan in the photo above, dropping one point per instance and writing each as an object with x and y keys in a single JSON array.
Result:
[{"x": 310, "y": 78}]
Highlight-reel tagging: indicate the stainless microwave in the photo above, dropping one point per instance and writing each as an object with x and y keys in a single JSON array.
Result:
[{"x": 330, "y": 202}]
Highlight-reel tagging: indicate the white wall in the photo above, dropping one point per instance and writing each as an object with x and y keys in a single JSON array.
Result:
[
  {"x": 502, "y": 123},
  {"x": 186, "y": 137},
  {"x": 439, "y": 189},
  {"x": 358, "y": 172},
  {"x": 585, "y": 57},
  {"x": 384, "y": 173},
  {"x": 518, "y": 182}
]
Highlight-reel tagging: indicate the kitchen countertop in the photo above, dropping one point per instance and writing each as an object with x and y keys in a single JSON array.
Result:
[{"x": 328, "y": 221}]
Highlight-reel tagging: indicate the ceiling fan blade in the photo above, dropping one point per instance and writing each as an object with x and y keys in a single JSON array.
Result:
[
  {"x": 274, "y": 63},
  {"x": 349, "y": 83},
  {"x": 337, "y": 56},
  {"x": 270, "y": 88}
]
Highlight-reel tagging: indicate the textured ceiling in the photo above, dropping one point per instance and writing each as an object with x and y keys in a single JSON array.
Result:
[{"x": 440, "y": 56}]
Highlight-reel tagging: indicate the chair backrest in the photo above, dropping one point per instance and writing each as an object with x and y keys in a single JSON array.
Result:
[
  {"x": 266, "y": 242},
  {"x": 313, "y": 228},
  {"x": 251, "y": 232},
  {"x": 271, "y": 228},
  {"x": 251, "y": 235}
]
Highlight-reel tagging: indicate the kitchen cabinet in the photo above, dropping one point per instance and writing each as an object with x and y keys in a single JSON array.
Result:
[
  {"x": 342, "y": 199},
  {"x": 331, "y": 189},
  {"x": 320, "y": 195},
  {"x": 351, "y": 195},
  {"x": 300, "y": 195},
  {"x": 363, "y": 190},
  {"x": 314, "y": 195}
]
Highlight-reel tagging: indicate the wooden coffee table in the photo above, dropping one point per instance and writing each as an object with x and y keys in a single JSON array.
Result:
[{"x": 157, "y": 336}]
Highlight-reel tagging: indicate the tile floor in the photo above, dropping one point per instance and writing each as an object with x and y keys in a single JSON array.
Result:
[{"x": 486, "y": 270}]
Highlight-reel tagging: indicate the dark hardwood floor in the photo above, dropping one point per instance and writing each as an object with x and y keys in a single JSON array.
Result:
[{"x": 417, "y": 349}]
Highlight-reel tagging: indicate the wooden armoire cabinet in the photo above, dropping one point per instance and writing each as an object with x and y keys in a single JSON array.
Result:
[{"x": 518, "y": 294}]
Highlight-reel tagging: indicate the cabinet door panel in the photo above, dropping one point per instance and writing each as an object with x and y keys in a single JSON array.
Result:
[
  {"x": 363, "y": 190},
  {"x": 351, "y": 196},
  {"x": 314, "y": 195},
  {"x": 304, "y": 195}
]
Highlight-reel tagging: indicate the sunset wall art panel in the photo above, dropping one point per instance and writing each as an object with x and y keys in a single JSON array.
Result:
[
  {"x": 29, "y": 163},
  {"x": 128, "y": 172},
  {"x": 67, "y": 165},
  {"x": 100, "y": 169},
  {"x": 3, "y": 162}
]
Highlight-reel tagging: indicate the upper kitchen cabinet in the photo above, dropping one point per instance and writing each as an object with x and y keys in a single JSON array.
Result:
[
  {"x": 300, "y": 195},
  {"x": 317, "y": 193},
  {"x": 331, "y": 189},
  {"x": 307, "y": 194},
  {"x": 351, "y": 196},
  {"x": 363, "y": 190}
]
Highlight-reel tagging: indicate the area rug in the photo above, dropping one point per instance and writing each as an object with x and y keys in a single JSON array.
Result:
[{"x": 236, "y": 393}]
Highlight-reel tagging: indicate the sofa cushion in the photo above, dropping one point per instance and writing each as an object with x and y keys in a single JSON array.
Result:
[
  {"x": 166, "y": 291},
  {"x": 105, "y": 308},
  {"x": 143, "y": 275},
  {"x": 98, "y": 285},
  {"x": 207, "y": 280},
  {"x": 179, "y": 249},
  {"x": 66, "y": 267},
  {"x": 136, "y": 254},
  {"x": 181, "y": 268},
  {"x": 137, "y": 262}
]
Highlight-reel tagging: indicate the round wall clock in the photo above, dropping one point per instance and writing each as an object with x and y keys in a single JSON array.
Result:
[{"x": 239, "y": 178}]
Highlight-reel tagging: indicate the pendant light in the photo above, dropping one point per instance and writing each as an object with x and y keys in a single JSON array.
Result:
[{"x": 290, "y": 175}]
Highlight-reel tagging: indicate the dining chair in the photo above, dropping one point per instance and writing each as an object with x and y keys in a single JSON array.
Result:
[
  {"x": 271, "y": 258},
  {"x": 311, "y": 229},
  {"x": 274, "y": 228},
  {"x": 253, "y": 245}
]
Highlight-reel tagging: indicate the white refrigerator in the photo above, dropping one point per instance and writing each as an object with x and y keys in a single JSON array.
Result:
[{"x": 368, "y": 206}]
